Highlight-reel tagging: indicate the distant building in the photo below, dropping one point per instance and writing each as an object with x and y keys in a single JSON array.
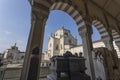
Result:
[
  {"x": 13, "y": 62},
  {"x": 58, "y": 44},
  {"x": 13, "y": 55},
  {"x": 63, "y": 41},
  {"x": 1, "y": 55}
]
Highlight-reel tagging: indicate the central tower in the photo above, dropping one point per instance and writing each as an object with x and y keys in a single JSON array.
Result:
[{"x": 61, "y": 41}]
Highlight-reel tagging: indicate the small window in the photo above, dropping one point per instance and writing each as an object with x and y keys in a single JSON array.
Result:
[
  {"x": 70, "y": 41},
  {"x": 66, "y": 34},
  {"x": 42, "y": 64},
  {"x": 57, "y": 47}
]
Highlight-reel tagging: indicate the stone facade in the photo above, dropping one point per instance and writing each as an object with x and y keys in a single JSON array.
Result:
[
  {"x": 13, "y": 72},
  {"x": 13, "y": 55},
  {"x": 63, "y": 41}
]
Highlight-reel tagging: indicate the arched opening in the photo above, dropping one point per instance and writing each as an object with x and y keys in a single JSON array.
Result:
[
  {"x": 61, "y": 35},
  {"x": 96, "y": 35},
  {"x": 60, "y": 31},
  {"x": 81, "y": 25},
  {"x": 99, "y": 33},
  {"x": 96, "y": 38},
  {"x": 74, "y": 14}
]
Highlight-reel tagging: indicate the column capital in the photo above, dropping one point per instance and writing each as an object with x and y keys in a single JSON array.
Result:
[
  {"x": 108, "y": 41},
  {"x": 109, "y": 36},
  {"x": 87, "y": 19},
  {"x": 85, "y": 32},
  {"x": 38, "y": 16}
]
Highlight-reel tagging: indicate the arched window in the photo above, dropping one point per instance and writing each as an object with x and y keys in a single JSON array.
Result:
[
  {"x": 76, "y": 54},
  {"x": 57, "y": 47}
]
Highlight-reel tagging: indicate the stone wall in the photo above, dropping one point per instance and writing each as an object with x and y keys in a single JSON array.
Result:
[{"x": 14, "y": 73}]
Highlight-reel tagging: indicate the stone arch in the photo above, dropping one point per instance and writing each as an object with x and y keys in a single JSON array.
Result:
[
  {"x": 116, "y": 36},
  {"x": 41, "y": 8},
  {"x": 69, "y": 9},
  {"x": 116, "y": 41},
  {"x": 101, "y": 28},
  {"x": 84, "y": 30}
]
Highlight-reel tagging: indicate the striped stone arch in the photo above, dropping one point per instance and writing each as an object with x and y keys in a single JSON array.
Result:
[
  {"x": 69, "y": 9},
  {"x": 101, "y": 29},
  {"x": 116, "y": 37}
]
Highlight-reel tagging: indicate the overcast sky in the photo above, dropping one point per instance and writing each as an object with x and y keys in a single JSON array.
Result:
[{"x": 15, "y": 16}]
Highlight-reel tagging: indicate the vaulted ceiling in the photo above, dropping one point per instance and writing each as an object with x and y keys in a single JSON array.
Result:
[{"x": 111, "y": 7}]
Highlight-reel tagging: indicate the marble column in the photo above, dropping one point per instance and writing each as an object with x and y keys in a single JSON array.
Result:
[
  {"x": 113, "y": 57},
  {"x": 35, "y": 41},
  {"x": 108, "y": 41},
  {"x": 86, "y": 33}
]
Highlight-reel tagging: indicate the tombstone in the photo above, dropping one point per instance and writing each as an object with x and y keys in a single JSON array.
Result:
[{"x": 68, "y": 67}]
